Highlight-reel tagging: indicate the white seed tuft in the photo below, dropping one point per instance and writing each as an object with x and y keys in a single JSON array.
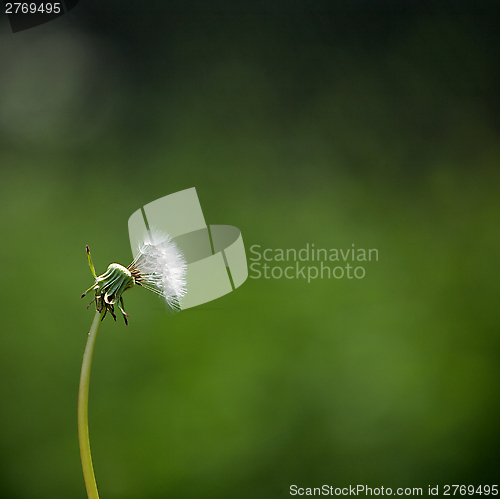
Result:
[{"x": 161, "y": 267}]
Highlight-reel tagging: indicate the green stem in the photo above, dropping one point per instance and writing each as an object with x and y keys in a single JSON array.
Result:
[{"x": 83, "y": 402}]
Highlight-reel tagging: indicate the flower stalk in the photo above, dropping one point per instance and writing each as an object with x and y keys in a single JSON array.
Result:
[{"x": 83, "y": 403}]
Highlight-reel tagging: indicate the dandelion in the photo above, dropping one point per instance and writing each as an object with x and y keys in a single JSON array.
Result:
[{"x": 160, "y": 267}]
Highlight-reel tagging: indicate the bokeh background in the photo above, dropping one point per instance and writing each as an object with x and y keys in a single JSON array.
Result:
[{"x": 367, "y": 123}]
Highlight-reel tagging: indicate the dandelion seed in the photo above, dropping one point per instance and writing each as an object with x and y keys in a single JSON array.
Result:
[{"x": 160, "y": 267}]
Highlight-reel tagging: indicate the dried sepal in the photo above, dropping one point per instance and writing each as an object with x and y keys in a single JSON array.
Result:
[{"x": 109, "y": 287}]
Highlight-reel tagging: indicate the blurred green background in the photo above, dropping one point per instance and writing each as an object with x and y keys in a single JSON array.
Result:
[{"x": 367, "y": 124}]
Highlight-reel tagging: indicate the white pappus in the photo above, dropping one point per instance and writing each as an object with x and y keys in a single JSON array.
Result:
[{"x": 160, "y": 267}]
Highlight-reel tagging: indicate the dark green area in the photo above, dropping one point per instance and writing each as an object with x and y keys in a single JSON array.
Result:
[{"x": 379, "y": 129}]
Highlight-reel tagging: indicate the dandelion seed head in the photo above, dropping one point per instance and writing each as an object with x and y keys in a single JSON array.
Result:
[{"x": 160, "y": 267}]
